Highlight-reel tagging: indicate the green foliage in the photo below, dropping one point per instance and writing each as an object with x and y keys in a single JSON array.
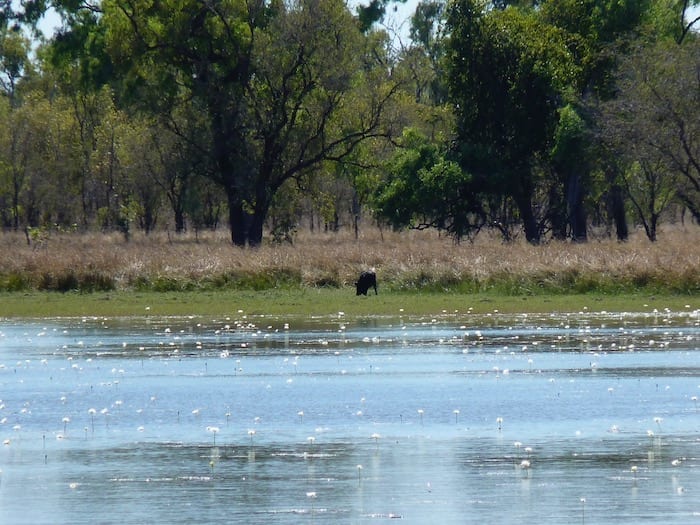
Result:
[
  {"x": 597, "y": 21},
  {"x": 654, "y": 128},
  {"x": 262, "y": 92},
  {"x": 282, "y": 278},
  {"x": 283, "y": 219},
  {"x": 574, "y": 281},
  {"x": 568, "y": 136},
  {"x": 373, "y": 12},
  {"x": 14, "y": 282},
  {"x": 424, "y": 189},
  {"x": 434, "y": 282},
  {"x": 136, "y": 105},
  {"x": 571, "y": 159},
  {"x": 14, "y": 51},
  {"x": 78, "y": 57},
  {"x": 162, "y": 46},
  {"x": 592, "y": 26},
  {"x": 70, "y": 281},
  {"x": 508, "y": 74}
]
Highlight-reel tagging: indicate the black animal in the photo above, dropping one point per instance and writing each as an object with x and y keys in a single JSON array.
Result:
[{"x": 366, "y": 281}]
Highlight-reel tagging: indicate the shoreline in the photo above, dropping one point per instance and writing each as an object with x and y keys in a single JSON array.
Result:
[{"x": 310, "y": 303}]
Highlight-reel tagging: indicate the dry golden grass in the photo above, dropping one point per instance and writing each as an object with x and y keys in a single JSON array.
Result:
[{"x": 406, "y": 260}]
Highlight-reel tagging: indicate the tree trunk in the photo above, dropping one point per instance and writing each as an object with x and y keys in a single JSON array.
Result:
[
  {"x": 15, "y": 204},
  {"x": 179, "y": 219},
  {"x": 532, "y": 232},
  {"x": 238, "y": 220},
  {"x": 557, "y": 215},
  {"x": 653, "y": 223},
  {"x": 255, "y": 233},
  {"x": 149, "y": 219},
  {"x": 247, "y": 228},
  {"x": 617, "y": 205},
  {"x": 262, "y": 207},
  {"x": 356, "y": 211},
  {"x": 577, "y": 212}
]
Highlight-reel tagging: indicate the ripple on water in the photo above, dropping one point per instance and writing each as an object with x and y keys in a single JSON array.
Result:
[{"x": 603, "y": 409}]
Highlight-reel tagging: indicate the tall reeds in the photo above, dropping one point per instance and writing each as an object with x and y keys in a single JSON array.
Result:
[{"x": 403, "y": 261}]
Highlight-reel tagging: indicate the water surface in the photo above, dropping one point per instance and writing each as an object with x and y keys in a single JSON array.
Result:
[{"x": 585, "y": 418}]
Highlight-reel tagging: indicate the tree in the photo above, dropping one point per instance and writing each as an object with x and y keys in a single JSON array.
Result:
[
  {"x": 37, "y": 161},
  {"x": 426, "y": 52},
  {"x": 174, "y": 164},
  {"x": 16, "y": 155},
  {"x": 26, "y": 12},
  {"x": 685, "y": 20},
  {"x": 508, "y": 74},
  {"x": 598, "y": 33},
  {"x": 94, "y": 175},
  {"x": 654, "y": 124},
  {"x": 571, "y": 166},
  {"x": 648, "y": 188},
  {"x": 56, "y": 161},
  {"x": 314, "y": 98},
  {"x": 592, "y": 27},
  {"x": 425, "y": 189},
  {"x": 193, "y": 57},
  {"x": 14, "y": 51},
  {"x": 373, "y": 12},
  {"x": 283, "y": 87}
]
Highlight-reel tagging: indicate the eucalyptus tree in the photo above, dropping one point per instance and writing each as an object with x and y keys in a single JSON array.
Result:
[
  {"x": 596, "y": 31},
  {"x": 425, "y": 188},
  {"x": 140, "y": 165},
  {"x": 373, "y": 11},
  {"x": 36, "y": 162},
  {"x": 520, "y": 76},
  {"x": 18, "y": 159},
  {"x": 426, "y": 51},
  {"x": 173, "y": 166},
  {"x": 19, "y": 15},
  {"x": 509, "y": 73},
  {"x": 97, "y": 177},
  {"x": 593, "y": 28},
  {"x": 56, "y": 161},
  {"x": 194, "y": 57},
  {"x": 316, "y": 96},
  {"x": 687, "y": 20},
  {"x": 654, "y": 125},
  {"x": 571, "y": 163},
  {"x": 173, "y": 174},
  {"x": 14, "y": 59},
  {"x": 15, "y": 137},
  {"x": 647, "y": 121},
  {"x": 282, "y": 87},
  {"x": 15, "y": 145}
]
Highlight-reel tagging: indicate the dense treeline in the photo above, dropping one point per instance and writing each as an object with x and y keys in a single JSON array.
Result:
[{"x": 543, "y": 118}]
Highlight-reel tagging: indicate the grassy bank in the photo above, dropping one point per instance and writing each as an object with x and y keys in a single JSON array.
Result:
[
  {"x": 321, "y": 302},
  {"x": 420, "y": 272}
]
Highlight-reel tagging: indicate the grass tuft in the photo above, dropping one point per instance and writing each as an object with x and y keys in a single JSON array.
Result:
[{"x": 404, "y": 262}]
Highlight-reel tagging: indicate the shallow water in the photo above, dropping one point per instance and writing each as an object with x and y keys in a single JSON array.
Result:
[{"x": 587, "y": 418}]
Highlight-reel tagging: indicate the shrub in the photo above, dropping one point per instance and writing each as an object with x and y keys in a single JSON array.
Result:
[{"x": 14, "y": 282}]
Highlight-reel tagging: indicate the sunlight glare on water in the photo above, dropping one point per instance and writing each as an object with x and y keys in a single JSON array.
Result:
[{"x": 578, "y": 418}]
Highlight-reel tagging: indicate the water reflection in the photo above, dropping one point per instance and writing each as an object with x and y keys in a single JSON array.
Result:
[{"x": 589, "y": 418}]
